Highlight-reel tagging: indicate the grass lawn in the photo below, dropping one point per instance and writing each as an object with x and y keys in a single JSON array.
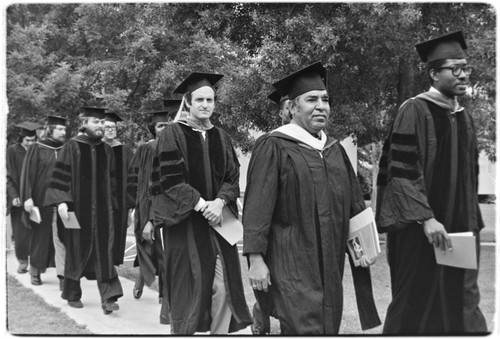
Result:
[{"x": 28, "y": 313}]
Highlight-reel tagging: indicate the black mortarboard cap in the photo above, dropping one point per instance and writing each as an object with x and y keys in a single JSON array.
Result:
[
  {"x": 172, "y": 105},
  {"x": 277, "y": 97},
  {"x": 449, "y": 46},
  {"x": 310, "y": 78},
  {"x": 113, "y": 117},
  {"x": 196, "y": 80},
  {"x": 161, "y": 116},
  {"x": 96, "y": 112},
  {"x": 56, "y": 120},
  {"x": 28, "y": 128}
]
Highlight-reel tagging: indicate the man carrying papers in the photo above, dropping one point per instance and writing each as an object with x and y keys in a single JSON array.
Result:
[
  {"x": 198, "y": 176},
  {"x": 83, "y": 182},
  {"x": 46, "y": 250},
  {"x": 427, "y": 189}
]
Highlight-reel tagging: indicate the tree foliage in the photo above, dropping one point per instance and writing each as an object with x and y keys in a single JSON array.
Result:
[{"x": 132, "y": 55}]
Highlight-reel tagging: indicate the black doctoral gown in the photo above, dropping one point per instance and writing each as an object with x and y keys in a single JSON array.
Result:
[
  {"x": 35, "y": 178},
  {"x": 138, "y": 190},
  {"x": 192, "y": 167},
  {"x": 83, "y": 177},
  {"x": 429, "y": 169},
  {"x": 21, "y": 232}
]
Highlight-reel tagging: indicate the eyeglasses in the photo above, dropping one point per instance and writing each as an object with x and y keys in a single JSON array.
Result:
[
  {"x": 109, "y": 128},
  {"x": 457, "y": 70}
]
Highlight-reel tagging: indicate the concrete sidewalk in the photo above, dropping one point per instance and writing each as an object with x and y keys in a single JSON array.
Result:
[{"x": 135, "y": 317}]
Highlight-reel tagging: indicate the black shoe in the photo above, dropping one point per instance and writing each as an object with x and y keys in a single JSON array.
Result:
[
  {"x": 137, "y": 292},
  {"x": 160, "y": 300},
  {"x": 61, "y": 284},
  {"x": 22, "y": 269},
  {"x": 36, "y": 280},
  {"x": 109, "y": 306},
  {"x": 75, "y": 303}
]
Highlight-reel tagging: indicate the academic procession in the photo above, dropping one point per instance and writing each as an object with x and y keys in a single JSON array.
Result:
[{"x": 125, "y": 208}]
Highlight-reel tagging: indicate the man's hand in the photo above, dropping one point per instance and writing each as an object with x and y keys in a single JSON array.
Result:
[
  {"x": 148, "y": 232},
  {"x": 437, "y": 235},
  {"x": 62, "y": 209},
  {"x": 365, "y": 261},
  {"x": 16, "y": 202},
  {"x": 28, "y": 205},
  {"x": 258, "y": 273},
  {"x": 212, "y": 211}
]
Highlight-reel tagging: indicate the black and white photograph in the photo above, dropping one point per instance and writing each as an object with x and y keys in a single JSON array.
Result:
[
  {"x": 249, "y": 168},
  {"x": 355, "y": 248}
]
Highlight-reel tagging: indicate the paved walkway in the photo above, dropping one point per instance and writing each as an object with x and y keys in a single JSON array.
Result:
[{"x": 135, "y": 317}]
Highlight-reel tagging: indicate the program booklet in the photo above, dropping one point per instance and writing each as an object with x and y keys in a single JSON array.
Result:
[
  {"x": 72, "y": 223},
  {"x": 35, "y": 215},
  {"x": 463, "y": 254},
  {"x": 231, "y": 228},
  {"x": 363, "y": 237}
]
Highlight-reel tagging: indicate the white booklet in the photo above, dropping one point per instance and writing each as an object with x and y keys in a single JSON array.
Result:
[
  {"x": 363, "y": 237},
  {"x": 72, "y": 223},
  {"x": 35, "y": 215},
  {"x": 231, "y": 228},
  {"x": 463, "y": 254}
]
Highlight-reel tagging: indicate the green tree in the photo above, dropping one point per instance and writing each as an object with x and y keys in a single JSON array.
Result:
[{"x": 132, "y": 55}]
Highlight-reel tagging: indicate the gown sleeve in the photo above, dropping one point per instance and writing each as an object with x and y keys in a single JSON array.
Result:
[
  {"x": 173, "y": 198},
  {"x": 60, "y": 187},
  {"x": 30, "y": 165},
  {"x": 260, "y": 196},
  {"x": 402, "y": 196},
  {"x": 12, "y": 189}
]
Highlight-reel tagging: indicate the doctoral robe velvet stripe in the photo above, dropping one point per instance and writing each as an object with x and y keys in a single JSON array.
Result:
[
  {"x": 442, "y": 183},
  {"x": 190, "y": 168},
  {"x": 35, "y": 178},
  {"x": 91, "y": 195}
]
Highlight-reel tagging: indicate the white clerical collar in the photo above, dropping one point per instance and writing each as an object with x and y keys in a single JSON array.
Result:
[{"x": 295, "y": 131}]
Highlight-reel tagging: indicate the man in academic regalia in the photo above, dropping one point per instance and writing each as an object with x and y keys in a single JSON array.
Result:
[
  {"x": 198, "y": 176},
  {"x": 46, "y": 248},
  {"x": 83, "y": 182},
  {"x": 301, "y": 192},
  {"x": 14, "y": 162},
  {"x": 123, "y": 156},
  {"x": 428, "y": 188},
  {"x": 149, "y": 253}
]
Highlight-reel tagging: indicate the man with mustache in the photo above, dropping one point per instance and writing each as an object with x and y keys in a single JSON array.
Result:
[
  {"x": 427, "y": 186},
  {"x": 198, "y": 175},
  {"x": 46, "y": 248},
  {"x": 83, "y": 182},
  {"x": 301, "y": 192}
]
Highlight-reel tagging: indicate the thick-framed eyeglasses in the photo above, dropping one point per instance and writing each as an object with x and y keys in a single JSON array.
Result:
[{"x": 457, "y": 70}]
